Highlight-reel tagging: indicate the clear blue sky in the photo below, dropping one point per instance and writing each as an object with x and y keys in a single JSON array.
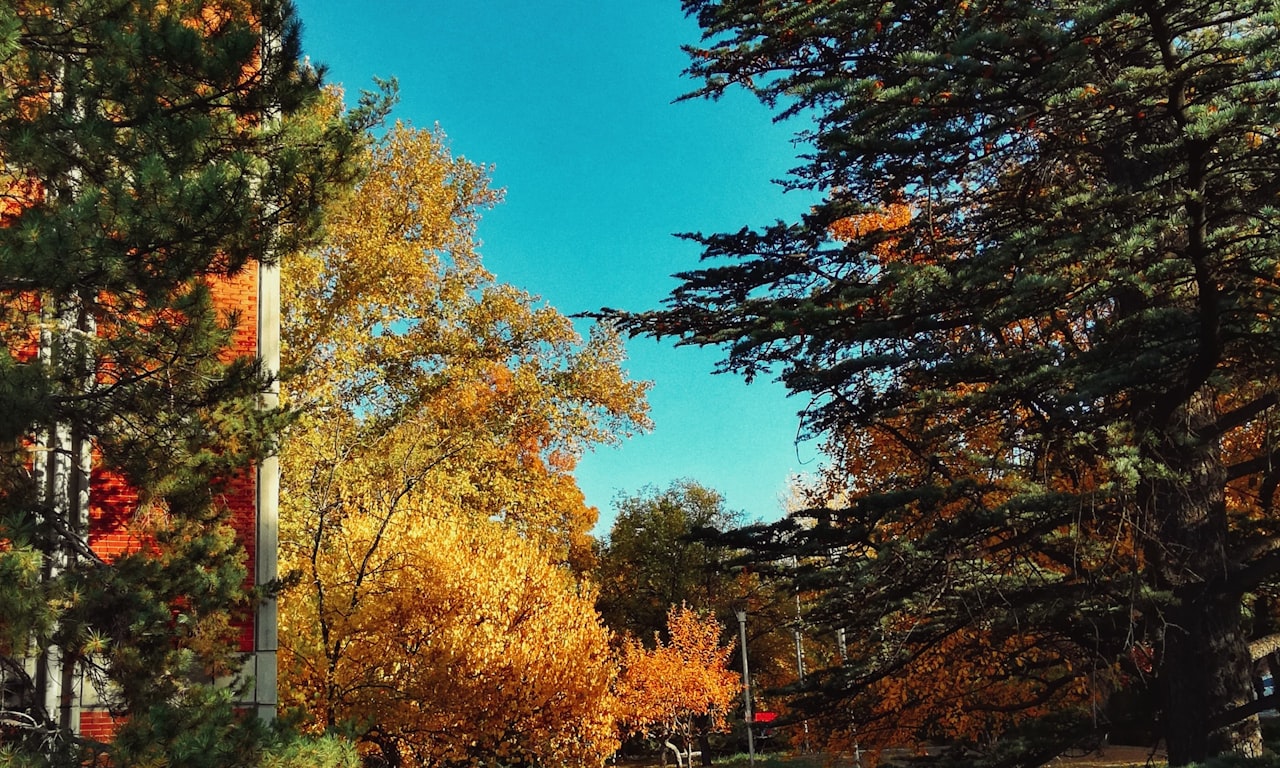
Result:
[{"x": 571, "y": 102}]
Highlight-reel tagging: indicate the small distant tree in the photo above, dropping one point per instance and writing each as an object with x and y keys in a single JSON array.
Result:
[
  {"x": 652, "y": 559},
  {"x": 680, "y": 689},
  {"x": 664, "y": 550}
]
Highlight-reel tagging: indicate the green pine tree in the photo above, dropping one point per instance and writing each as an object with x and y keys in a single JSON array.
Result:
[
  {"x": 145, "y": 149},
  {"x": 1050, "y": 390}
]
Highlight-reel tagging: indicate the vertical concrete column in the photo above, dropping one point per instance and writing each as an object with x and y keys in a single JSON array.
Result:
[
  {"x": 61, "y": 463},
  {"x": 266, "y": 630}
]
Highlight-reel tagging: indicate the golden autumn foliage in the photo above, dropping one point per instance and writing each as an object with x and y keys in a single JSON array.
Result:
[
  {"x": 662, "y": 691},
  {"x": 429, "y": 516},
  {"x": 395, "y": 319},
  {"x": 459, "y": 645}
]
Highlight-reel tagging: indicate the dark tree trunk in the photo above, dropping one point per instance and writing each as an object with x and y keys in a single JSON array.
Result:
[
  {"x": 1205, "y": 672},
  {"x": 388, "y": 754},
  {"x": 1204, "y": 661},
  {"x": 702, "y": 724}
]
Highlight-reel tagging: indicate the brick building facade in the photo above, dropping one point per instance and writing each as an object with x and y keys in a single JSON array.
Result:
[
  {"x": 250, "y": 498},
  {"x": 94, "y": 503}
]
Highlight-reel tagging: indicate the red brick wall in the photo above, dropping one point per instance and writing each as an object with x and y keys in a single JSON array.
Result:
[
  {"x": 98, "y": 724},
  {"x": 113, "y": 505},
  {"x": 239, "y": 294}
]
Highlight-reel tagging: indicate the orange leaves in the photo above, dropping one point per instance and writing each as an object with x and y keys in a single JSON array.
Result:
[
  {"x": 883, "y": 227},
  {"x": 661, "y": 691},
  {"x": 16, "y": 195},
  {"x": 893, "y": 218},
  {"x": 971, "y": 686}
]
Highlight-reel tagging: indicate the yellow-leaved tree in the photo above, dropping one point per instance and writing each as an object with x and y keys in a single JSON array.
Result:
[
  {"x": 682, "y": 688},
  {"x": 429, "y": 517},
  {"x": 395, "y": 319},
  {"x": 464, "y": 646}
]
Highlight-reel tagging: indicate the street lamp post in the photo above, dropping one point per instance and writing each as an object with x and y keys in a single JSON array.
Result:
[
  {"x": 746, "y": 685},
  {"x": 800, "y": 658}
]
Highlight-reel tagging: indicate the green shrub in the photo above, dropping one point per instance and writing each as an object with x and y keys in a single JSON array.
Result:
[{"x": 303, "y": 752}]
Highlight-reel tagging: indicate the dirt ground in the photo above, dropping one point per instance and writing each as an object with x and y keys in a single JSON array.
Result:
[{"x": 1116, "y": 756}]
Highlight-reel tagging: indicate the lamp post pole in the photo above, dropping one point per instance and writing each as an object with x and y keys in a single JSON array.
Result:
[{"x": 746, "y": 685}]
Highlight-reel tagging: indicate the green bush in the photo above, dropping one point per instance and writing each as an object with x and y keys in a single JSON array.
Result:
[
  {"x": 302, "y": 752},
  {"x": 206, "y": 730}
]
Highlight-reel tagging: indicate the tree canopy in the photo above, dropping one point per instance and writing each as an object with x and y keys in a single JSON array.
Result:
[
  {"x": 653, "y": 560},
  {"x": 1036, "y": 315},
  {"x": 681, "y": 687},
  {"x": 393, "y": 324},
  {"x": 429, "y": 515},
  {"x": 664, "y": 552}
]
